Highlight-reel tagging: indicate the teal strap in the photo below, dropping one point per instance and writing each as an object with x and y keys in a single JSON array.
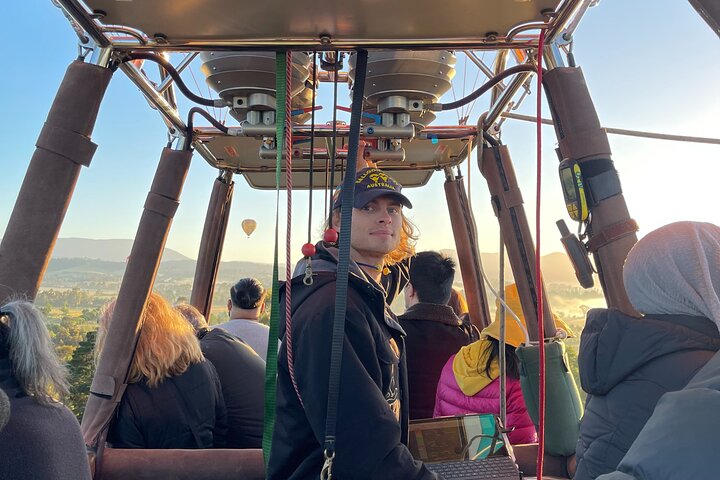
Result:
[{"x": 272, "y": 351}]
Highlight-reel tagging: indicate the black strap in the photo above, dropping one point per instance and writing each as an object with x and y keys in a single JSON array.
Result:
[
  {"x": 348, "y": 194},
  {"x": 603, "y": 186}
]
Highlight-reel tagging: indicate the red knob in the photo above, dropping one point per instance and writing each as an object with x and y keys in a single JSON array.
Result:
[
  {"x": 330, "y": 235},
  {"x": 308, "y": 250}
]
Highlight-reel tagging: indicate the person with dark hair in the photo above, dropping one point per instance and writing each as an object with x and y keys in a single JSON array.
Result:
[
  {"x": 246, "y": 304},
  {"x": 242, "y": 376},
  {"x": 372, "y": 404},
  {"x": 173, "y": 398},
  {"x": 434, "y": 331},
  {"x": 469, "y": 382},
  {"x": 42, "y": 437}
]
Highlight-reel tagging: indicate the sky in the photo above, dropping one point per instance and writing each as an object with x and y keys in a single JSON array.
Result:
[{"x": 649, "y": 64}]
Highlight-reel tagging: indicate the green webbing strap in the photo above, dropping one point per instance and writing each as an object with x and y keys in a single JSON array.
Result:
[{"x": 272, "y": 351}]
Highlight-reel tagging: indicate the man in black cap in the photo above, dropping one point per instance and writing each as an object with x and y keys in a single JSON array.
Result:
[{"x": 372, "y": 408}]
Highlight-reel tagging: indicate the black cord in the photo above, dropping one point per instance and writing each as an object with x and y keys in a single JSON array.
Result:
[
  {"x": 466, "y": 450},
  {"x": 175, "y": 76},
  {"x": 312, "y": 146},
  {"x": 189, "y": 133},
  {"x": 334, "y": 146},
  {"x": 490, "y": 139},
  {"x": 483, "y": 88}
]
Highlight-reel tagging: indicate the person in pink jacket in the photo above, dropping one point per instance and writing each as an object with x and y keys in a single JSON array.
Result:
[{"x": 469, "y": 380}]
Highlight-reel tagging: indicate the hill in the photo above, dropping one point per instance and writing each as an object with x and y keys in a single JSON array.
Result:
[
  {"x": 115, "y": 250},
  {"x": 87, "y": 273},
  {"x": 100, "y": 264},
  {"x": 556, "y": 267}
]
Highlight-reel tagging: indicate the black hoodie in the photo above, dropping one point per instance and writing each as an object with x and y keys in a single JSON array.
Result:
[
  {"x": 372, "y": 413},
  {"x": 626, "y": 365}
]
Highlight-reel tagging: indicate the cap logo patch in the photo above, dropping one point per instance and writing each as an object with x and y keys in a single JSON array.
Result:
[
  {"x": 374, "y": 178},
  {"x": 378, "y": 177}
]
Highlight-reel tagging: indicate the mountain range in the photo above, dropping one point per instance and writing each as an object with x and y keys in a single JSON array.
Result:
[
  {"x": 83, "y": 261},
  {"x": 114, "y": 250}
]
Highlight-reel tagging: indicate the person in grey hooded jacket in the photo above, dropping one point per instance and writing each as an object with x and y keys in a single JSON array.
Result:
[
  {"x": 626, "y": 364},
  {"x": 679, "y": 442}
]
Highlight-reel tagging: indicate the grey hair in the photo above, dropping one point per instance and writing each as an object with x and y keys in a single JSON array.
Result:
[
  {"x": 192, "y": 315},
  {"x": 32, "y": 354}
]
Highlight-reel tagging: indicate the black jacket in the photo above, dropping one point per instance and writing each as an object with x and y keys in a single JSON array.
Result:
[
  {"x": 184, "y": 411},
  {"x": 242, "y": 376},
  {"x": 434, "y": 333},
  {"x": 626, "y": 365},
  {"x": 38, "y": 441},
  {"x": 372, "y": 415}
]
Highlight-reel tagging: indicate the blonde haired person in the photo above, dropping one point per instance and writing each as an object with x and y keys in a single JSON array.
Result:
[
  {"x": 173, "y": 398},
  {"x": 372, "y": 403},
  {"x": 458, "y": 303},
  {"x": 42, "y": 438},
  {"x": 372, "y": 186}
]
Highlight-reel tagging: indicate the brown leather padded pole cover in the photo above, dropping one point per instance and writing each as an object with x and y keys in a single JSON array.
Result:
[
  {"x": 582, "y": 138},
  {"x": 210, "y": 464},
  {"x": 62, "y": 148},
  {"x": 211, "y": 244},
  {"x": 466, "y": 245},
  {"x": 507, "y": 202},
  {"x": 109, "y": 381}
]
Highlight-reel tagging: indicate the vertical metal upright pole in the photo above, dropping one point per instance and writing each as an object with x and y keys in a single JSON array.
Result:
[
  {"x": 211, "y": 244},
  {"x": 62, "y": 149},
  {"x": 507, "y": 202},
  {"x": 108, "y": 383},
  {"x": 581, "y": 138},
  {"x": 466, "y": 245},
  {"x": 502, "y": 317}
]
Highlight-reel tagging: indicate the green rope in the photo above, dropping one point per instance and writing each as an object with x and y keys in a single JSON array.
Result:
[{"x": 272, "y": 351}]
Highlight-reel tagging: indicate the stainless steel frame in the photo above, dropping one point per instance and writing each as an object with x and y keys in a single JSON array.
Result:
[
  {"x": 120, "y": 38},
  {"x": 557, "y": 21}
]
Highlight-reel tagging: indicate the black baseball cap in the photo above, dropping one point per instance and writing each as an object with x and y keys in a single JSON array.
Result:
[{"x": 371, "y": 183}]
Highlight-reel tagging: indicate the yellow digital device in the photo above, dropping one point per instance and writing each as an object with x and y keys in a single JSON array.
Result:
[{"x": 573, "y": 190}]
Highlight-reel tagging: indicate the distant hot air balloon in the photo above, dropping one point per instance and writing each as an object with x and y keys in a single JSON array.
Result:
[{"x": 248, "y": 226}]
